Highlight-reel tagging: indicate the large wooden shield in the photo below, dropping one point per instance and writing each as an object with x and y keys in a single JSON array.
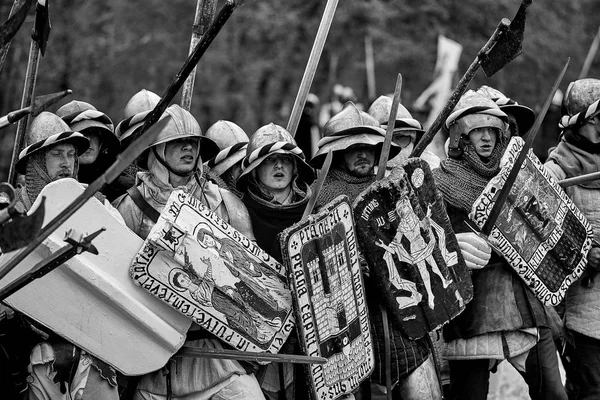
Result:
[
  {"x": 90, "y": 300},
  {"x": 407, "y": 240},
  {"x": 322, "y": 258},
  {"x": 540, "y": 232},
  {"x": 204, "y": 268}
]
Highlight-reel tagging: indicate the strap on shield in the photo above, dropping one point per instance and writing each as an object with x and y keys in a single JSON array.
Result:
[{"x": 142, "y": 204}]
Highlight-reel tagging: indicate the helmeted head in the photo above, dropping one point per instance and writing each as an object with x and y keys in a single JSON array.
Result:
[
  {"x": 477, "y": 119},
  {"x": 407, "y": 130},
  {"x": 274, "y": 159},
  {"x": 355, "y": 138},
  {"x": 134, "y": 113},
  {"x": 51, "y": 152},
  {"x": 521, "y": 118},
  {"x": 232, "y": 142},
  {"x": 179, "y": 147},
  {"x": 84, "y": 118},
  {"x": 581, "y": 123}
]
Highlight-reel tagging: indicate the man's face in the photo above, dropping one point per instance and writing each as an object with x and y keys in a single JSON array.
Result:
[
  {"x": 484, "y": 140},
  {"x": 182, "y": 154},
  {"x": 359, "y": 160},
  {"x": 60, "y": 161},
  {"x": 92, "y": 152},
  {"x": 276, "y": 171}
]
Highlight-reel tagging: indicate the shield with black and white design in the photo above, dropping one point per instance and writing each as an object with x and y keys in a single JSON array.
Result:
[
  {"x": 539, "y": 231},
  {"x": 204, "y": 268},
  {"x": 407, "y": 240},
  {"x": 331, "y": 312}
]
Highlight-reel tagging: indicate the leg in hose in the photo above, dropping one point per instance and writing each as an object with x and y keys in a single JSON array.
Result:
[
  {"x": 469, "y": 379},
  {"x": 421, "y": 384}
]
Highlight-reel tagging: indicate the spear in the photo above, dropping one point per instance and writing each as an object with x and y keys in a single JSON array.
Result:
[
  {"x": 17, "y": 15},
  {"x": 505, "y": 44},
  {"x": 141, "y": 139},
  {"x": 311, "y": 66},
  {"x": 39, "y": 39},
  {"x": 387, "y": 143},
  {"x": 205, "y": 12},
  {"x": 40, "y": 103},
  {"x": 590, "y": 55},
  {"x": 578, "y": 180}
]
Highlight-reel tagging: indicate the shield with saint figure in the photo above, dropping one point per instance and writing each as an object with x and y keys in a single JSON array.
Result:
[{"x": 407, "y": 240}]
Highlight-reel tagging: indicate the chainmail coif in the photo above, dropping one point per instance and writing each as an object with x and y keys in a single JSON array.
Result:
[{"x": 461, "y": 181}]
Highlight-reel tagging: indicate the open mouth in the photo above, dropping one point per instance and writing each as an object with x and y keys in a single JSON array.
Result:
[
  {"x": 187, "y": 159},
  {"x": 279, "y": 175}
]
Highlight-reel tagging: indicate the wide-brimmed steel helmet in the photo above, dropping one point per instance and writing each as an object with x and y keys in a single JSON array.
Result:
[
  {"x": 45, "y": 131},
  {"x": 472, "y": 111},
  {"x": 581, "y": 102},
  {"x": 349, "y": 127},
  {"x": 381, "y": 108},
  {"x": 182, "y": 125},
  {"x": 80, "y": 116},
  {"x": 232, "y": 142},
  {"x": 266, "y": 141},
  {"x": 524, "y": 116},
  {"x": 134, "y": 114}
]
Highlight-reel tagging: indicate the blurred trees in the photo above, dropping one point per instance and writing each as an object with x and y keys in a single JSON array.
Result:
[{"x": 106, "y": 50}]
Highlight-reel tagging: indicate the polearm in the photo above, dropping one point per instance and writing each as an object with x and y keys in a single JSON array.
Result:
[
  {"x": 39, "y": 39},
  {"x": 40, "y": 103},
  {"x": 387, "y": 143},
  {"x": 512, "y": 175},
  {"x": 578, "y": 180},
  {"x": 17, "y": 16},
  {"x": 504, "y": 45},
  {"x": 318, "y": 185},
  {"x": 141, "y": 139},
  {"x": 590, "y": 56},
  {"x": 311, "y": 66},
  {"x": 205, "y": 12},
  {"x": 228, "y": 354}
]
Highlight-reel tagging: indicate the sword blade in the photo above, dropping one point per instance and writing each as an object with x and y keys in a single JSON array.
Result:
[
  {"x": 317, "y": 188},
  {"x": 389, "y": 133}
]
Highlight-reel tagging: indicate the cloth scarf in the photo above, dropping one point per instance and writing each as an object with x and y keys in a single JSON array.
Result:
[
  {"x": 575, "y": 162},
  {"x": 339, "y": 182},
  {"x": 461, "y": 181}
]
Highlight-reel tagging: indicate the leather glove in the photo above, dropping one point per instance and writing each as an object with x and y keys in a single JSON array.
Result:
[{"x": 475, "y": 250}]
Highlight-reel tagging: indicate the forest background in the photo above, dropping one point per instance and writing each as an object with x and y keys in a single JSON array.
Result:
[{"x": 107, "y": 50}]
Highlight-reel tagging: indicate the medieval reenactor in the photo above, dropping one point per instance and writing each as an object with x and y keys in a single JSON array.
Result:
[
  {"x": 56, "y": 366},
  {"x": 578, "y": 153},
  {"x": 276, "y": 182},
  {"x": 504, "y": 320},
  {"x": 233, "y": 142},
  {"x": 104, "y": 147},
  {"x": 520, "y": 117},
  {"x": 356, "y": 139},
  {"x": 174, "y": 161},
  {"x": 407, "y": 130}
]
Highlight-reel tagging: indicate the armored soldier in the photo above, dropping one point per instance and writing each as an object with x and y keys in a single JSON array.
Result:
[
  {"x": 275, "y": 183},
  {"x": 518, "y": 329},
  {"x": 520, "y": 117},
  {"x": 578, "y": 153},
  {"x": 174, "y": 161},
  {"x": 233, "y": 142}
]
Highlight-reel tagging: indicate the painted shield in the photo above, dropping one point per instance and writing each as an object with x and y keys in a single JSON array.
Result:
[
  {"x": 208, "y": 271},
  {"x": 329, "y": 298},
  {"x": 540, "y": 232},
  {"x": 407, "y": 240},
  {"x": 90, "y": 299}
]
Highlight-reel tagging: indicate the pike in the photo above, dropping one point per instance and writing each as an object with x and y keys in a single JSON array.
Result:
[
  {"x": 505, "y": 44},
  {"x": 76, "y": 244},
  {"x": 205, "y": 12},
  {"x": 39, "y": 39},
  {"x": 141, "y": 139},
  {"x": 311, "y": 66},
  {"x": 512, "y": 176},
  {"x": 318, "y": 185},
  {"x": 387, "y": 143},
  {"x": 227, "y": 354},
  {"x": 40, "y": 103},
  {"x": 578, "y": 180},
  {"x": 590, "y": 56},
  {"x": 17, "y": 16}
]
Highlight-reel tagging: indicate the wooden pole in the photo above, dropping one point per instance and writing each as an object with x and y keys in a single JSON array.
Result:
[{"x": 590, "y": 56}]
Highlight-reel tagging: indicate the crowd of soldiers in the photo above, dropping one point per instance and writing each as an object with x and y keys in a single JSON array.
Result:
[{"x": 261, "y": 184}]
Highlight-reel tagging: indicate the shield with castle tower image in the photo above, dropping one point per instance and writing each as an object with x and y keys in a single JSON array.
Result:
[
  {"x": 207, "y": 270},
  {"x": 329, "y": 299},
  {"x": 408, "y": 243}
]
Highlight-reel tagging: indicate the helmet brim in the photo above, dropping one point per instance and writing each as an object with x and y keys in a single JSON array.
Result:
[{"x": 80, "y": 142}]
